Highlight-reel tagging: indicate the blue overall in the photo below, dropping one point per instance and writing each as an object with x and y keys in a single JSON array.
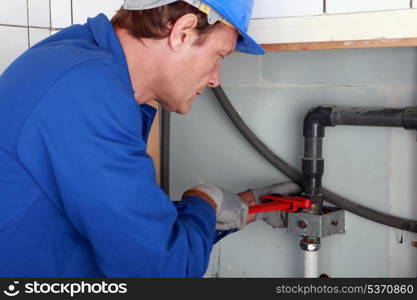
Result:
[{"x": 78, "y": 196}]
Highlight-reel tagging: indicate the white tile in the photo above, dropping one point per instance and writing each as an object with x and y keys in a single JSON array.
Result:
[
  {"x": 13, "y": 12},
  {"x": 54, "y": 31},
  {"x": 343, "y": 6},
  {"x": 286, "y": 8},
  {"x": 83, "y": 9},
  {"x": 39, "y": 13},
  {"x": 17, "y": 41},
  {"x": 36, "y": 35},
  {"x": 61, "y": 13}
]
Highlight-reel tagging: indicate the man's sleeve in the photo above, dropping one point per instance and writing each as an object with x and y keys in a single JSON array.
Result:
[{"x": 89, "y": 133}]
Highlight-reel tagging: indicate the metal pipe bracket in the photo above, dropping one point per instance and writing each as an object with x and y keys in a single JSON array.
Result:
[{"x": 329, "y": 223}]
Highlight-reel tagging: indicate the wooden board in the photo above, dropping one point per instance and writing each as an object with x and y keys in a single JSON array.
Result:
[
  {"x": 154, "y": 143},
  {"x": 377, "y": 43}
]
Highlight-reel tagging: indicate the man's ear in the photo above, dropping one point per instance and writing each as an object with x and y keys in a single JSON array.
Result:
[{"x": 183, "y": 31}]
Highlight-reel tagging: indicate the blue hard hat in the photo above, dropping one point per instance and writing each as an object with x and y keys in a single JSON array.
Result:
[
  {"x": 238, "y": 13},
  {"x": 234, "y": 12}
]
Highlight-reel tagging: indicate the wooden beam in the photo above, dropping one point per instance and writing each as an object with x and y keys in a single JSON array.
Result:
[
  {"x": 153, "y": 146},
  {"x": 376, "y": 43}
]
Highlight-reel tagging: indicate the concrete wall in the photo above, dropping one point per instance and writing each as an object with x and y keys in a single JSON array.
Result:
[{"x": 373, "y": 166}]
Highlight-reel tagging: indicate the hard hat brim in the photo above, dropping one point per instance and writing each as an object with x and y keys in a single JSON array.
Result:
[
  {"x": 248, "y": 45},
  {"x": 245, "y": 43}
]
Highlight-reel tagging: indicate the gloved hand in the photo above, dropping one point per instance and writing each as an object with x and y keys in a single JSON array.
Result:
[
  {"x": 231, "y": 210},
  {"x": 276, "y": 219}
]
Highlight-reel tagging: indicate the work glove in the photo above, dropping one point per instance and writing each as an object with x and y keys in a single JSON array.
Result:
[
  {"x": 231, "y": 210},
  {"x": 277, "y": 219}
]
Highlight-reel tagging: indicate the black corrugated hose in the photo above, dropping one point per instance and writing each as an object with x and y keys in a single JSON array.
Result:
[{"x": 293, "y": 174}]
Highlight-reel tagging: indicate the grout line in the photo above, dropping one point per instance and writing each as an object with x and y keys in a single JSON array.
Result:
[
  {"x": 27, "y": 21},
  {"x": 34, "y": 27},
  {"x": 50, "y": 17},
  {"x": 72, "y": 13},
  {"x": 10, "y": 25}
]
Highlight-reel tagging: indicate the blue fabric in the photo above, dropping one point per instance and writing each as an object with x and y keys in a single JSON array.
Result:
[{"x": 78, "y": 196}]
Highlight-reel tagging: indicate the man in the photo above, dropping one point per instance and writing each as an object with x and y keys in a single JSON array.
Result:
[{"x": 78, "y": 190}]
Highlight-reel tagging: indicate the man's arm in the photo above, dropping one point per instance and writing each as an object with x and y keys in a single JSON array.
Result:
[{"x": 87, "y": 131}]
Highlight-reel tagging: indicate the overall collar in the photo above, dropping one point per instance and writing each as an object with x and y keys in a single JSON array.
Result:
[{"x": 105, "y": 36}]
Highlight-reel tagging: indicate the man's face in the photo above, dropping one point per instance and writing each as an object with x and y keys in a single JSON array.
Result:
[{"x": 196, "y": 67}]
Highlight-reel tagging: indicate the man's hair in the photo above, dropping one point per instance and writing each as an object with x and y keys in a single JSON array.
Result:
[{"x": 156, "y": 22}]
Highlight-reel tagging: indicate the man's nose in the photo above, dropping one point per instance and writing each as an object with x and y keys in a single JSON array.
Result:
[{"x": 215, "y": 78}]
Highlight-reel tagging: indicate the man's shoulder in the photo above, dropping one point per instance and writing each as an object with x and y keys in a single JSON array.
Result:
[
  {"x": 43, "y": 65},
  {"x": 62, "y": 55},
  {"x": 84, "y": 99},
  {"x": 90, "y": 90}
]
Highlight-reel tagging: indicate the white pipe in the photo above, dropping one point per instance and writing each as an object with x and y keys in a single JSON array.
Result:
[{"x": 311, "y": 264}]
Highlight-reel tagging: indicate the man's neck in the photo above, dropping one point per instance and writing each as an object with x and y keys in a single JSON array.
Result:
[{"x": 144, "y": 62}]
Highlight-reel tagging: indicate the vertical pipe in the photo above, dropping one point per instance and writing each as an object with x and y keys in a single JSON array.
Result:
[
  {"x": 313, "y": 163},
  {"x": 311, "y": 264},
  {"x": 312, "y": 171}
]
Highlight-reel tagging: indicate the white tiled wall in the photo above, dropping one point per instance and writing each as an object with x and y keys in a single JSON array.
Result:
[
  {"x": 293, "y": 8},
  {"x": 83, "y": 9},
  {"x": 24, "y": 23},
  {"x": 38, "y": 34},
  {"x": 61, "y": 14},
  {"x": 39, "y": 13},
  {"x": 39, "y": 18},
  {"x": 13, "y": 12},
  {"x": 16, "y": 40},
  {"x": 344, "y": 6},
  {"x": 286, "y": 8}
]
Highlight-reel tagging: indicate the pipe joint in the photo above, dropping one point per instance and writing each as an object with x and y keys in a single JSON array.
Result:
[
  {"x": 316, "y": 120},
  {"x": 410, "y": 118}
]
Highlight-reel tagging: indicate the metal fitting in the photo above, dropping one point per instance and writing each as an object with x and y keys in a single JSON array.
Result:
[
  {"x": 310, "y": 243},
  {"x": 306, "y": 224}
]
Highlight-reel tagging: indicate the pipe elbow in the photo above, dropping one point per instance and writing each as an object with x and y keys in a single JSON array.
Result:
[{"x": 316, "y": 119}]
